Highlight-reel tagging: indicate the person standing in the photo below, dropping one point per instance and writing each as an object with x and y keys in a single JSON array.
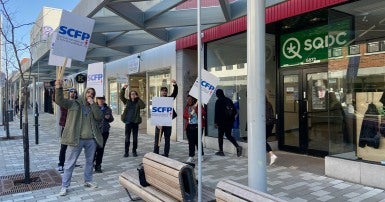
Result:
[
  {"x": 190, "y": 115},
  {"x": 72, "y": 94},
  {"x": 80, "y": 131},
  {"x": 223, "y": 120},
  {"x": 131, "y": 118},
  {"x": 165, "y": 130},
  {"x": 270, "y": 121},
  {"x": 105, "y": 129}
]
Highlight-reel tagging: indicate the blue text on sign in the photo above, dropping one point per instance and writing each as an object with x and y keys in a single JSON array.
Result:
[
  {"x": 207, "y": 85},
  {"x": 74, "y": 33},
  {"x": 161, "y": 109},
  {"x": 93, "y": 77}
]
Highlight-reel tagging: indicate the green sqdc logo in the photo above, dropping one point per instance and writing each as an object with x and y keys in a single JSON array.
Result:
[{"x": 311, "y": 45}]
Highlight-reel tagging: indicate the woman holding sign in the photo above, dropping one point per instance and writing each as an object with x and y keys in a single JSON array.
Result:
[
  {"x": 190, "y": 115},
  {"x": 131, "y": 117}
]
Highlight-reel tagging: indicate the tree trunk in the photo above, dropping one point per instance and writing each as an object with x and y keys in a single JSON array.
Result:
[{"x": 27, "y": 178}]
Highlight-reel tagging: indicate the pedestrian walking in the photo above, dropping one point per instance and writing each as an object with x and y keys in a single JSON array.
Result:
[
  {"x": 80, "y": 131},
  {"x": 270, "y": 122},
  {"x": 131, "y": 118},
  {"x": 72, "y": 94},
  {"x": 165, "y": 130},
  {"x": 224, "y": 118},
  {"x": 190, "y": 115},
  {"x": 105, "y": 129}
]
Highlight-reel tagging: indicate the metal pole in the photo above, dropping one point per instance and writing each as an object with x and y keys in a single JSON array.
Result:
[
  {"x": 36, "y": 113},
  {"x": 20, "y": 106},
  {"x": 199, "y": 43},
  {"x": 256, "y": 95}
]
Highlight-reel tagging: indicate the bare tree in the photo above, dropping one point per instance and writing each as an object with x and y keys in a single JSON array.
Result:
[{"x": 8, "y": 31}]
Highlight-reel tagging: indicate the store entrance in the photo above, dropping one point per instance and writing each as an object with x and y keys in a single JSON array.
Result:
[{"x": 304, "y": 114}]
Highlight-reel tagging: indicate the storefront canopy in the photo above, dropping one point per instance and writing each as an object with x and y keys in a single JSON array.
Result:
[{"x": 126, "y": 27}]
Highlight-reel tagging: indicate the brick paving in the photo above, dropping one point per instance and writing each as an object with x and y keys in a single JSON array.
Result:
[{"x": 288, "y": 179}]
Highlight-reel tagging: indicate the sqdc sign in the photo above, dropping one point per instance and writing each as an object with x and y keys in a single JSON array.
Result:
[
  {"x": 74, "y": 35},
  {"x": 311, "y": 45}
]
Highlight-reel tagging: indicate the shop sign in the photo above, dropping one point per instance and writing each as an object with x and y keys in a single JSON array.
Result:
[
  {"x": 80, "y": 78},
  {"x": 311, "y": 45}
]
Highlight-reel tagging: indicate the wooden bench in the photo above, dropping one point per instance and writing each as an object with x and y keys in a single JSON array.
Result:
[
  {"x": 228, "y": 190},
  {"x": 169, "y": 180}
]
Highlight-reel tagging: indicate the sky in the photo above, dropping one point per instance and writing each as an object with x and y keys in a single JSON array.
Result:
[{"x": 27, "y": 11}]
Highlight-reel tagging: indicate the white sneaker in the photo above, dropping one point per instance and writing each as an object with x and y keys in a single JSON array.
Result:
[
  {"x": 272, "y": 159},
  {"x": 91, "y": 185},
  {"x": 190, "y": 159},
  {"x": 63, "y": 191}
]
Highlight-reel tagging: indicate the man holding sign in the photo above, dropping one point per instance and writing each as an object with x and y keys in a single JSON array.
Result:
[{"x": 165, "y": 130}]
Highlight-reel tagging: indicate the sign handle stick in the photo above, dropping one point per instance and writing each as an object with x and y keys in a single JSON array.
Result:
[
  {"x": 62, "y": 69},
  {"x": 160, "y": 135}
]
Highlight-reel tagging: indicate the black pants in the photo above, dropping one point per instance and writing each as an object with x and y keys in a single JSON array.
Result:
[
  {"x": 192, "y": 136},
  {"x": 166, "y": 131},
  {"x": 62, "y": 153},
  {"x": 269, "y": 131},
  {"x": 100, "y": 151},
  {"x": 134, "y": 128},
  {"x": 225, "y": 130}
]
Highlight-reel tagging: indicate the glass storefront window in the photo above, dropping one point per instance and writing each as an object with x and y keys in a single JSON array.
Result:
[
  {"x": 156, "y": 80},
  {"x": 359, "y": 83},
  {"x": 227, "y": 59},
  {"x": 114, "y": 97}
]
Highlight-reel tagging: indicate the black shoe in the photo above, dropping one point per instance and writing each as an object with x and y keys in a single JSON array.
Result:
[
  {"x": 125, "y": 155},
  {"x": 239, "y": 151},
  {"x": 98, "y": 170},
  {"x": 165, "y": 155},
  {"x": 220, "y": 153},
  {"x": 134, "y": 154}
]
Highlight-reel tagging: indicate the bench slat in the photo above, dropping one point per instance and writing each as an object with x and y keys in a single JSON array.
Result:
[
  {"x": 225, "y": 196},
  {"x": 164, "y": 160},
  {"x": 161, "y": 167},
  {"x": 244, "y": 192},
  {"x": 129, "y": 180}
]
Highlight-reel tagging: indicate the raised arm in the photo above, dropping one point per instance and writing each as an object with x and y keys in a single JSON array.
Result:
[{"x": 122, "y": 94}]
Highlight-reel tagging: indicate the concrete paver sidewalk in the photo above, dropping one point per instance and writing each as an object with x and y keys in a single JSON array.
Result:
[{"x": 288, "y": 179}]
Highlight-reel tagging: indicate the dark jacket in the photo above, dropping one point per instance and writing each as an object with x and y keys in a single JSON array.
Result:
[
  {"x": 174, "y": 94},
  {"x": 369, "y": 129},
  {"x": 105, "y": 123},
  {"x": 270, "y": 118},
  {"x": 139, "y": 104},
  {"x": 76, "y": 117},
  {"x": 220, "y": 117}
]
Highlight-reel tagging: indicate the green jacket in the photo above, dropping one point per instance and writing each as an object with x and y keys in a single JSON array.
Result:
[
  {"x": 139, "y": 105},
  {"x": 71, "y": 132}
]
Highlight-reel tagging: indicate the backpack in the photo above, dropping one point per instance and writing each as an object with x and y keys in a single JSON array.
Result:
[{"x": 229, "y": 110}]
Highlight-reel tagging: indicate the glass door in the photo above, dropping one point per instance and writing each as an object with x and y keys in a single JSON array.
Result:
[{"x": 304, "y": 115}]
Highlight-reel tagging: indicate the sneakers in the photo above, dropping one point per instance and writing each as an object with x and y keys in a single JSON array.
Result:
[
  {"x": 63, "y": 191},
  {"x": 60, "y": 169},
  {"x": 273, "y": 158},
  {"x": 239, "y": 151},
  {"x": 91, "y": 185},
  {"x": 220, "y": 153},
  {"x": 190, "y": 159}
]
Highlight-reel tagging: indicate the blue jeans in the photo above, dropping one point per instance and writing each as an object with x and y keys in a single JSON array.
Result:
[{"x": 72, "y": 155}]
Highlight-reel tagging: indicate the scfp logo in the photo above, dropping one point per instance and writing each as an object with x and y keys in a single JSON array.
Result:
[
  {"x": 95, "y": 77},
  {"x": 161, "y": 109},
  {"x": 73, "y": 33},
  {"x": 207, "y": 86}
]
